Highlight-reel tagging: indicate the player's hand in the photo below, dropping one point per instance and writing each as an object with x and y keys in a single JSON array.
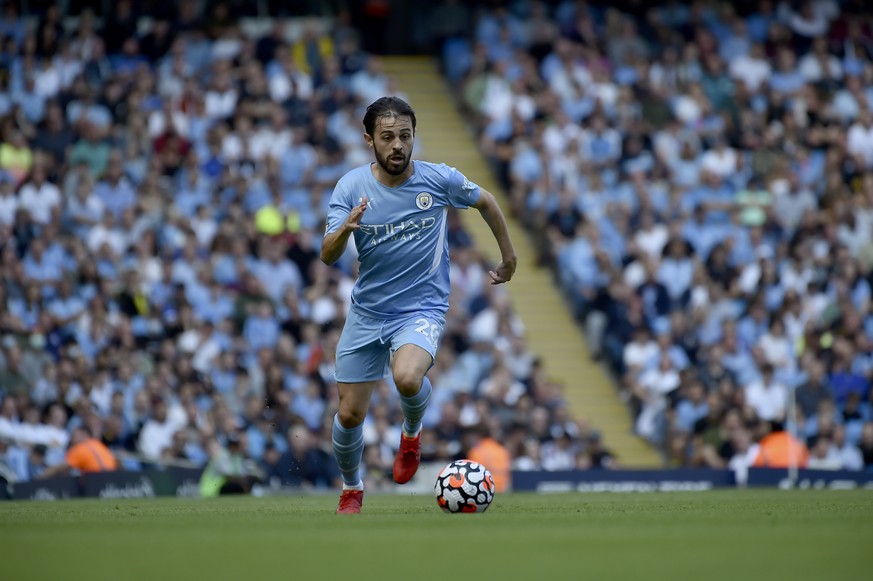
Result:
[
  {"x": 503, "y": 272},
  {"x": 353, "y": 222}
]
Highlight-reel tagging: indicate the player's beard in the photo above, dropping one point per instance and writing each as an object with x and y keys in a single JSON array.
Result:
[{"x": 385, "y": 164}]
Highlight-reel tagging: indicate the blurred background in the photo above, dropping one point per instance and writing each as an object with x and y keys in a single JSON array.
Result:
[{"x": 690, "y": 185}]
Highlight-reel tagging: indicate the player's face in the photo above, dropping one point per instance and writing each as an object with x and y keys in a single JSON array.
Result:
[{"x": 392, "y": 141}]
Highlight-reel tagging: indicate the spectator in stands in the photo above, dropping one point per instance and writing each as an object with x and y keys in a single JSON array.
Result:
[
  {"x": 779, "y": 449},
  {"x": 596, "y": 454},
  {"x": 12, "y": 376},
  {"x": 692, "y": 407},
  {"x": 86, "y": 454},
  {"x": 304, "y": 464},
  {"x": 745, "y": 451},
  {"x": 814, "y": 389},
  {"x": 16, "y": 156},
  {"x": 488, "y": 451},
  {"x": 752, "y": 188},
  {"x": 767, "y": 396},
  {"x": 866, "y": 445},
  {"x": 136, "y": 156},
  {"x": 823, "y": 455},
  {"x": 13, "y": 465},
  {"x": 158, "y": 431},
  {"x": 36, "y": 465},
  {"x": 849, "y": 454},
  {"x": 227, "y": 471}
]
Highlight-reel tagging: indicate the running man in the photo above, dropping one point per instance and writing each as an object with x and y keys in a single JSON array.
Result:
[{"x": 396, "y": 208}]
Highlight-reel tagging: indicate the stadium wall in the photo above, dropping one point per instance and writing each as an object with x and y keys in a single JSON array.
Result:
[
  {"x": 171, "y": 481},
  {"x": 183, "y": 482},
  {"x": 686, "y": 480}
]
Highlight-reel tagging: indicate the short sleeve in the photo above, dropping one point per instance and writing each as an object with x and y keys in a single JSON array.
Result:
[
  {"x": 339, "y": 209},
  {"x": 462, "y": 192}
]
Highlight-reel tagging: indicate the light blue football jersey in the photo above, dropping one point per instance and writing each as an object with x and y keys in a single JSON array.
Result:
[{"x": 402, "y": 242}]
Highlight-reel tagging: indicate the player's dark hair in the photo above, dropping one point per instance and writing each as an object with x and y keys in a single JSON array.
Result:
[{"x": 387, "y": 106}]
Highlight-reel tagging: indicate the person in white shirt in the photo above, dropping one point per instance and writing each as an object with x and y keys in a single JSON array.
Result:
[
  {"x": 819, "y": 65},
  {"x": 850, "y": 455},
  {"x": 100, "y": 394},
  {"x": 652, "y": 389},
  {"x": 271, "y": 139},
  {"x": 370, "y": 83},
  {"x": 745, "y": 453},
  {"x": 639, "y": 351},
  {"x": 108, "y": 233},
  {"x": 767, "y": 396},
  {"x": 47, "y": 80},
  {"x": 559, "y": 454},
  {"x": 168, "y": 114},
  {"x": 10, "y": 427},
  {"x": 721, "y": 160},
  {"x": 752, "y": 69},
  {"x": 811, "y": 19},
  {"x": 221, "y": 98},
  {"x": 201, "y": 343},
  {"x": 288, "y": 81},
  {"x": 651, "y": 236},
  {"x": 237, "y": 144},
  {"x": 39, "y": 196},
  {"x": 849, "y": 99},
  {"x": 68, "y": 64},
  {"x": 569, "y": 81},
  {"x": 157, "y": 433},
  {"x": 859, "y": 139},
  {"x": 84, "y": 209},
  {"x": 776, "y": 345},
  {"x": 824, "y": 456}
]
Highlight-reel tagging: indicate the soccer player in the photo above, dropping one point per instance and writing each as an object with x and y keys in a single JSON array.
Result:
[{"x": 396, "y": 208}]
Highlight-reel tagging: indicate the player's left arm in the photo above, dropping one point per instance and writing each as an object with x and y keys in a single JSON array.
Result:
[{"x": 493, "y": 216}]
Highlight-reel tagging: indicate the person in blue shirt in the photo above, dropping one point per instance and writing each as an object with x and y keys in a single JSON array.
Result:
[{"x": 396, "y": 208}]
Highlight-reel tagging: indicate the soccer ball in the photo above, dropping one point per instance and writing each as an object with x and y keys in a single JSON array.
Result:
[{"x": 464, "y": 486}]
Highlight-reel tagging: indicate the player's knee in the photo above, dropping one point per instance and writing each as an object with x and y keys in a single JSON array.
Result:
[
  {"x": 408, "y": 382},
  {"x": 350, "y": 417}
]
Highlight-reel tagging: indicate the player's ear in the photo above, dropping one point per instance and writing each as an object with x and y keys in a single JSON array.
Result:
[{"x": 369, "y": 139}]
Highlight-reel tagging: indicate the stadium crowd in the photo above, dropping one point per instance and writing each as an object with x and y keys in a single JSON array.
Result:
[
  {"x": 163, "y": 189},
  {"x": 700, "y": 178}
]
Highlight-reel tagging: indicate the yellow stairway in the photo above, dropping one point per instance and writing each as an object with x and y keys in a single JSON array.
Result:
[{"x": 552, "y": 332}]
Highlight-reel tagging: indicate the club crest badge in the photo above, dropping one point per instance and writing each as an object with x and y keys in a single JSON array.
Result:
[{"x": 424, "y": 201}]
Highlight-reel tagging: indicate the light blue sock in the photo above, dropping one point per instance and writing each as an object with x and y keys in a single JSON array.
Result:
[
  {"x": 413, "y": 408},
  {"x": 348, "y": 447}
]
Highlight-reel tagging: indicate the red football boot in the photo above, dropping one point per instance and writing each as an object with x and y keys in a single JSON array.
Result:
[
  {"x": 350, "y": 502},
  {"x": 408, "y": 458}
]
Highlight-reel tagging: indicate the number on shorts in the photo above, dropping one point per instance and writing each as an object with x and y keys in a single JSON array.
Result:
[{"x": 429, "y": 330}]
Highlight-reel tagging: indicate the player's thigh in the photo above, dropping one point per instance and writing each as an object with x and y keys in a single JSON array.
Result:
[
  {"x": 354, "y": 401},
  {"x": 414, "y": 344},
  {"x": 410, "y": 364},
  {"x": 360, "y": 354}
]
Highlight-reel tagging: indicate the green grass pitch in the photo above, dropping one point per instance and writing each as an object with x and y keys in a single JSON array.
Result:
[{"x": 736, "y": 535}]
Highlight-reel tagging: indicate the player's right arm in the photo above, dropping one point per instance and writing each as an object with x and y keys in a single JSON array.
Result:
[{"x": 334, "y": 243}]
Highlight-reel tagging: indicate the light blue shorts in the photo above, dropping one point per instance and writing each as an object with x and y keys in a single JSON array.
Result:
[{"x": 366, "y": 345}]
